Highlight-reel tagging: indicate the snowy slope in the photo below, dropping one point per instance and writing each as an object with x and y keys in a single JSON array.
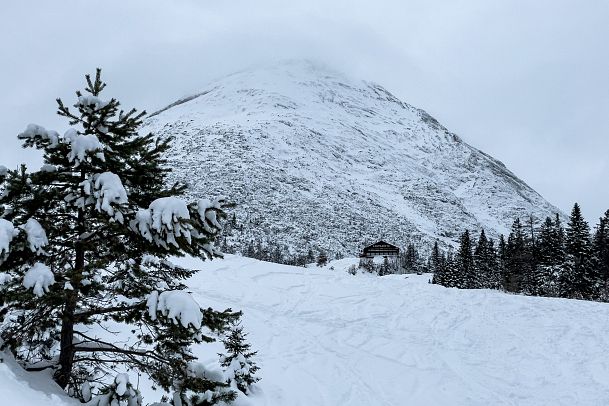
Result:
[
  {"x": 21, "y": 388},
  {"x": 316, "y": 159},
  {"x": 327, "y": 338}
]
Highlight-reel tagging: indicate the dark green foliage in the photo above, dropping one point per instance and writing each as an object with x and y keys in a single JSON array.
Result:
[
  {"x": 322, "y": 259},
  {"x": 105, "y": 257},
  {"x": 542, "y": 261},
  {"x": 514, "y": 258},
  {"x": 578, "y": 277},
  {"x": 465, "y": 263},
  {"x": 601, "y": 255},
  {"x": 485, "y": 264},
  {"x": 410, "y": 259}
]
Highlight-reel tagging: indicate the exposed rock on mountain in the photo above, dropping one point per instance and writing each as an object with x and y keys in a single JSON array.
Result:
[{"x": 314, "y": 159}]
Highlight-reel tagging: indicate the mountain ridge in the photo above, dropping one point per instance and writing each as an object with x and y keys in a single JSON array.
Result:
[{"x": 316, "y": 160}]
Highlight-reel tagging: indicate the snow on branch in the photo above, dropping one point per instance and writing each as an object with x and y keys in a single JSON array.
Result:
[
  {"x": 36, "y": 236},
  {"x": 167, "y": 217},
  {"x": 7, "y": 232},
  {"x": 4, "y": 278},
  {"x": 177, "y": 305},
  {"x": 39, "y": 277},
  {"x": 208, "y": 212},
  {"x": 81, "y": 145},
  {"x": 90, "y": 103},
  {"x": 109, "y": 190},
  {"x": 35, "y": 132}
]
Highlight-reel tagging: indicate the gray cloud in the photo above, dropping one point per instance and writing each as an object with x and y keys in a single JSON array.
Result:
[{"x": 524, "y": 81}]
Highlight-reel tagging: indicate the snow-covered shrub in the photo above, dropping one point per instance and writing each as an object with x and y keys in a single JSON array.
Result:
[
  {"x": 240, "y": 368},
  {"x": 120, "y": 393}
]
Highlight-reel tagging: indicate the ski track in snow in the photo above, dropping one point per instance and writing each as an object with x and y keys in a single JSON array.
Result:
[{"x": 328, "y": 338}]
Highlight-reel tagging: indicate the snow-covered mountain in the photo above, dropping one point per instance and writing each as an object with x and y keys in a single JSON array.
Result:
[{"x": 314, "y": 159}]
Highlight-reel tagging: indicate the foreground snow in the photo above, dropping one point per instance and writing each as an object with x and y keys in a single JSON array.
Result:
[
  {"x": 21, "y": 388},
  {"x": 328, "y": 338}
]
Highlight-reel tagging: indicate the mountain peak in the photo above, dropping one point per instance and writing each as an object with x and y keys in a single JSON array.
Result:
[{"x": 315, "y": 159}]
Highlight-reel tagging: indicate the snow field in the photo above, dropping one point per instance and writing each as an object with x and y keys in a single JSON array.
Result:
[{"x": 329, "y": 338}]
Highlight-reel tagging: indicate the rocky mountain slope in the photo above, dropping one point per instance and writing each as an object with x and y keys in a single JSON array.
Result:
[{"x": 314, "y": 159}]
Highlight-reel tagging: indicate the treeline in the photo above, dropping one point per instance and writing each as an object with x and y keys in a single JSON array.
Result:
[{"x": 546, "y": 260}]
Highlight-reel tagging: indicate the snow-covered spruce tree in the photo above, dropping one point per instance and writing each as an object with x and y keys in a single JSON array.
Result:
[
  {"x": 578, "y": 277},
  {"x": 451, "y": 272},
  {"x": 237, "y": 362},
  {"x": 551, "y": 256},
  {"x": 83, "y": 248},
  {"x": 485, "y": 264},
  {"x": 465, "y": 263},
  {"x": 322, "y": 259},
  {"x": 601, "y": 255},
  {"x": 515, "y": 258}
]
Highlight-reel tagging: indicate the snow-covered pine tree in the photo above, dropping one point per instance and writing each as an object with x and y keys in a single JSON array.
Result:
[
  {"x": 83, "y": 248},
  {"x": 239, "y": 366},
  {"x": 451, "y": 272},
  {"x": 410, "y": 259},
  {"x": 530, "y": 278},
  {"x": 515, "y": 258},
  {"x": 465, "y": 263},
  {"x": 551, "y": 256},
  {"x": 322, "y": 259},
  {"x": 435, "y": 263},
  {"x": 502, "y": 261},
  {"x": 485, "y": 264},
  {"x": 578, "y": 277},
  {"x": 601, "y": 255}
]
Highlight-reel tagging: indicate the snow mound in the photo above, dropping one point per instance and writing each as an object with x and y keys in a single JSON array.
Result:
[
  {"x": 39, "y": 277},
  {"x": 21, "y": 388}
]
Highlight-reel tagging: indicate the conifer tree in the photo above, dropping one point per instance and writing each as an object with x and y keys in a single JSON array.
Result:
[
  {"x": 501, "y": 261},
  {"x": 515, "y": 258},
  {"x": 551, "y": 256},
  {"x": 238, "y": 362},
  {"x": 485, "y": 264},
  {"x": 465, "y": 263},
  {"x": 531, "y": 280},
  {"x": 578, "y": 277},
  {"x": 451, "y": 275},
  {"x": 89, "y": 235},
  {"x": 601, "y": 255},
  {"x": 322, "y": 259},
  {"x": 435, "y": 258}
]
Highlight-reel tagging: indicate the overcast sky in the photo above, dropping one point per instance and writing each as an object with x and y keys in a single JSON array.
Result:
[{"x": 525, "y": 81}]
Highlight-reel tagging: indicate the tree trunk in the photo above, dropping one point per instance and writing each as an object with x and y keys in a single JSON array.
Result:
[{"x": 66, "y": 351}]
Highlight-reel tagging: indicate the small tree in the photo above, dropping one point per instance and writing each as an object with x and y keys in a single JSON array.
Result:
[
  {"x": 84, "y": 244},
  {"x": 322, "y": 259},
  {"x": 239, "y": 366}
]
